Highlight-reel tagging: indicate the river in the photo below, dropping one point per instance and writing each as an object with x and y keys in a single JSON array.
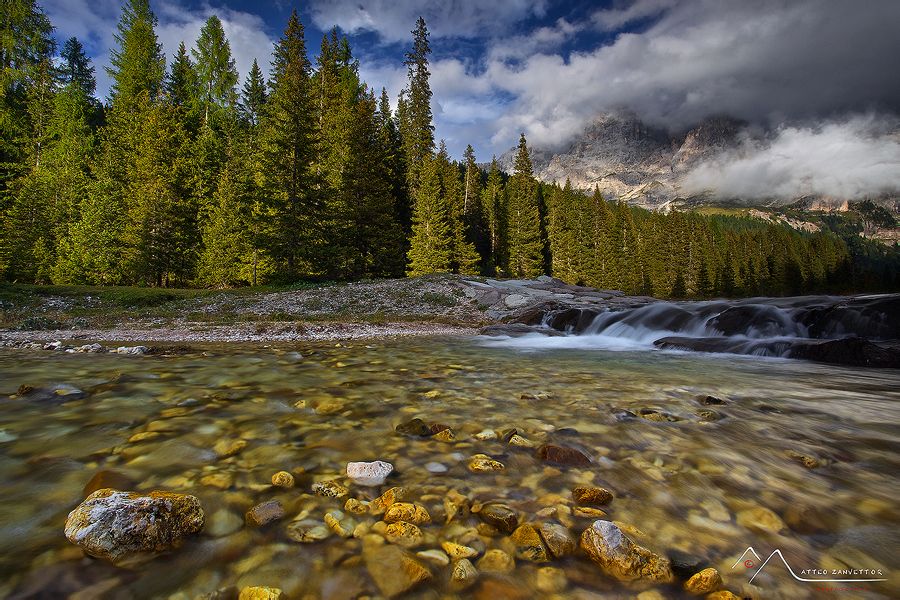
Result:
[{"x": 788, "y": 455}]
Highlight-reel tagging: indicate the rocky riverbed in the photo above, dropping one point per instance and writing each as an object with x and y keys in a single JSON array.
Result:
[{"x": 503, "y": 474}]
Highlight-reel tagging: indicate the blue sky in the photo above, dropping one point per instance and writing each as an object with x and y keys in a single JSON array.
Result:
[{"x": 547, "y": 67}]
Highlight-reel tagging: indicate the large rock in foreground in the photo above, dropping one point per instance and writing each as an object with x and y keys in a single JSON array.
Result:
[
  {"x": 621, "y": 558},
  {"x": 115, "y": 525}
]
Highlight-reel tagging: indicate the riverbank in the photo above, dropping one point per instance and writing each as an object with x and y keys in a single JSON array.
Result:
[{"x": 431, "y": 305}]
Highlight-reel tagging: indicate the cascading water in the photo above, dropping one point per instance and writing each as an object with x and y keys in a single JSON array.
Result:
[{"x": 826, "y": 328}]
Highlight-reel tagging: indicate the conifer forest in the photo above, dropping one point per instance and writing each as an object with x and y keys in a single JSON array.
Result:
[{"x": 187, "y": 177}]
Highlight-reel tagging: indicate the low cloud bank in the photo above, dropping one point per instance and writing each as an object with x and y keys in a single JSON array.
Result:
[{"x": 853, "y": 158}]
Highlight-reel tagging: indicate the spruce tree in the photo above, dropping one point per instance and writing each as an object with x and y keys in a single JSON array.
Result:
[
  {"x": 216, "y": 74},
  {"x": 493, "y": 207},
  {"x": 431, "y": 246},
  {"x": 293, "y": 239},
  {"x": 523, "y": 218},
  {"x": 253, "y": 96},
  {"x": 416, "y": 127},
  {"x": 183, "y": 89},
  {"x": 138, "y": 65},
  {"x": 77, "y": 68}
]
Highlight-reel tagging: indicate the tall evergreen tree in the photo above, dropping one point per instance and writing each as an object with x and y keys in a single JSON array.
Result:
[
  {"x": 216, "y": 73},
  {"x": 253, "y": 96},
  {"x": 493, "y": 207},
  {"x": 77, "y": 68},
  {"x": 288, "y": 143},
  {"x": 523, "y": 218},
  {"x": 416, "y": 127},
  {"x": 431, "y": 246},
  {"x": 138, "y": 65}
]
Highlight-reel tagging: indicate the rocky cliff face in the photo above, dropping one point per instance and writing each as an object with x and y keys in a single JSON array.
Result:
[{"x": 639, "y": 164}]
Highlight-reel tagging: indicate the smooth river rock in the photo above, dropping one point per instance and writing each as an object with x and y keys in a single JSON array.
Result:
[
  {"x": 621, "y": 558},
  {"x": 115, "y": 525},
  {"x": 370, "y": 474}
]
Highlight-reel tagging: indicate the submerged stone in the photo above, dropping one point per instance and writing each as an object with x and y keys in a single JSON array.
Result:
[
  {"x": 592, "y": 495},
  {"x": 482, "y": 463},
  {"x": 562, "y": 455},
  {"x": 496, "y": 561},
  {"x": 115, "y": 525},
  {"x": 706, "y": 581},
  {"x": 283, "y": 479},
  {"x": 500, "y": 516},
  {"x": 264, "y": 513},
  {"x": 621, "y": 558},
  {"x": 407, "y": 511},
  {"x": 393, "y": 570},
  {"x": 329, "y": 489},
  {"x": 463, "y": 574},
  {"x": 414, "y": 428},
  {"x": 369, "y": 474},
  {"x": 529, "y": 545}
]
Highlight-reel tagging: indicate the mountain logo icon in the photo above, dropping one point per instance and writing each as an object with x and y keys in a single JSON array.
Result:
[{"x": 754, "y": 560}]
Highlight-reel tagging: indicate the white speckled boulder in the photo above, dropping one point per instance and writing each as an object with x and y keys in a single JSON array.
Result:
[
  {"x": 369, "y": 473},
  {"x": 115, "y": 525}
]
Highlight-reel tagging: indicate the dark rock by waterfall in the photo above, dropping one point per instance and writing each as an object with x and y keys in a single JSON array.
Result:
[{"x": 861, "y": 331}]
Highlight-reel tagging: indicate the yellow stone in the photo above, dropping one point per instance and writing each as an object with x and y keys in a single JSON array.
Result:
[
  {"x": 283, "y": 479},
  {"x": 707, "y": 580},
  {"x": 407, "y": 511}
]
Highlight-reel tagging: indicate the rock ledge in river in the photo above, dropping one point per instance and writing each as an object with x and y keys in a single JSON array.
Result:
[{"x": 115, "y": 525}]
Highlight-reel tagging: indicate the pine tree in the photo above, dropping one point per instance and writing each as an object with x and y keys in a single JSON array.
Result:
[
  {"x": 25, "y": 44},
  {"x": 463, "y": 256},
  {"x": 523, "y": 219},
  {"x": 493, "y": 207},
  {"x": 216, "y": 74},
  {"x": 138, "y": 65},
  {"x": 472, "y": 207},
  {"x": 416, "y": 127},
  {"x": 376, "y": 236},
  {"x": 395, "y": 164},
  {"x": 253, "y": 96},
  {"x": 77, "y": 68},
  {"x": 431, "y": 245},
  {"x": 288, "y": 144},
  {"x": 183, "y": 89}
]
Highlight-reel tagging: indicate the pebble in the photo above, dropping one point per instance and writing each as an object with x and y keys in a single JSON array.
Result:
[
  {"x": 260, "y": 593},
  {"x": 557, "y": 539},
  {"x": 706, "y": 581},
  {"x": 592, "y": 495},
  {"x": 329, "y": 489},
  {"x": 463, "y": 574},
  {"x": 380, "y": 504},
  {"x": 760, "y": 518},
  {"x": 456, "y": 551},
  {"x": 529, "y": 545},
  {"x": 264, "y": 513},
  {"x": 283, "y": 479},
  {"x": 485, "y": 435},
  {"x": 307, "y": 531},
  {"x": 370, "y": 474},
  {"x": 499, "y": 515},
  {"x": 520, "y": 442},
  {"x": 357, "y": 507},
  {"x": 435, "y": 557},
  {"x": 481, "y": 463},
  {"x": 496, "y": 560},
  {"x": 414, "y": 428},
  {"x": 340, "y": 523},
  {"x": 435, "y": 467},
  {"x": 445, "y": 435},
  {"x": 407, "y": 511},
  {"x": 562, "y": 455},
  {"x": 403, "y": 534},
  {"x": 226, "y": 448}
]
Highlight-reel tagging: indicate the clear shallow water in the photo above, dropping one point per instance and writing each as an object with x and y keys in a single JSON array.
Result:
[{"x": 684, "y": 484}]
